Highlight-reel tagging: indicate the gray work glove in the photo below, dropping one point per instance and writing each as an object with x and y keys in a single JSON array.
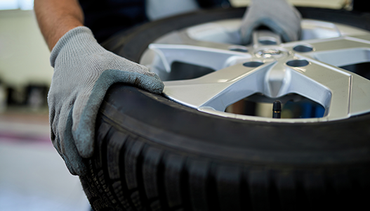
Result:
[
  {"x": 83, "y": 71},
  {"x": 278, "y": 15}
]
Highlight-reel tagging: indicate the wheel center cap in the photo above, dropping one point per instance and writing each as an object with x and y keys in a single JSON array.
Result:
[{"x": 269, "y": 53}]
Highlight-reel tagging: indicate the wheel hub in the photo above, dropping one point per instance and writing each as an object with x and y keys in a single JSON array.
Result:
[{"x": 269, "y": 53}]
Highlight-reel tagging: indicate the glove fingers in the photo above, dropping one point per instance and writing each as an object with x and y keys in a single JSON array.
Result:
[
  {"x": 246, "y": 31},
  {"x": 87, "y": 107},
  {"x": 71, "y": 152},
  {"x": 54, "y": 111},
  {"x": 134, "y": 73},
  {"x": 68, "y": 164},
  {"x": 66, "y": 146},
  {"x": 65, "y": 158},
  {"x": 151, "y": 83}
]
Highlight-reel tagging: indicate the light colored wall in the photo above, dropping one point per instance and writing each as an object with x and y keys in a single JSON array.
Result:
[{"x": 24, "y": 56}]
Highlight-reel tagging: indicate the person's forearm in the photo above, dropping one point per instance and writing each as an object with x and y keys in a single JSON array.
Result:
[{"x": 57, "y": 17}]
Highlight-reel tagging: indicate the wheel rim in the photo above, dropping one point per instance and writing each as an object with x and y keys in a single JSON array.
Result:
[{"x": 309, "y": 68}]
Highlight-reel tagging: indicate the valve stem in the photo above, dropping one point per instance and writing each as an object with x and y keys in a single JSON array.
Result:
[{"x": 276, "y": 110}]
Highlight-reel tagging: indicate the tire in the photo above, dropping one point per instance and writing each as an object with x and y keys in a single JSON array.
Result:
[{"x": 154, "y": 154}]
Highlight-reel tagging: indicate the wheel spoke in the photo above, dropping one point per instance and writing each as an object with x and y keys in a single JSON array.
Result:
[
  {"x": 277, "y": 80},
  {"x": 183, "y": 38},
  {"x": 202, "y": 56},
  {"x": 324, "y": 84},
  {"x": 219, "y": 89},
  {"x": 350, "y": 92},
  {"x": 360, "y": 95},
  {"x": 335, "y": 51},
  {"x": 342, "y": 93}
]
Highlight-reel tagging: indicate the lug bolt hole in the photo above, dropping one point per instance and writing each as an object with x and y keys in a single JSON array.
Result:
[
  {"x": 253, "y": 64},
  {"x": 267, "y": 41},
  {"x": 238, "y": 49},
  {"x": 297, "y": 63},
  {"x": 303, "y": 48}
]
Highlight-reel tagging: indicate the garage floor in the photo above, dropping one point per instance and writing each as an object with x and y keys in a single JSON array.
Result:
[{"x": 32, "y": 175}]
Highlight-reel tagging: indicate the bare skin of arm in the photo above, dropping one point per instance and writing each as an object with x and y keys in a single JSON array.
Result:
[{"x": 57, "y": 17}]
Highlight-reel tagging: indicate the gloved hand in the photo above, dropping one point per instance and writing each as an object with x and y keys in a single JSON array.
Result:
[
  {"x": 83, "y": 71},
  {"x": 278, "y": 15}
]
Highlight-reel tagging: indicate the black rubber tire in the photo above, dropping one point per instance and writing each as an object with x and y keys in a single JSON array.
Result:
[{"x": 154, "y": 154}]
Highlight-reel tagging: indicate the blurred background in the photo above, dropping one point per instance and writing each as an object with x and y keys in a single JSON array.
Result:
[{"x": 32, "y": 175}]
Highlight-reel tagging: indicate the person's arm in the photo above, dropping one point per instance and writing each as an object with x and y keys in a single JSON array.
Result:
[{"x": 57, "y": 17}]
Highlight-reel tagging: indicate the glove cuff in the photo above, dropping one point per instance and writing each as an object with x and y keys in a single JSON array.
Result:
[{"x": 74, "y": 40}]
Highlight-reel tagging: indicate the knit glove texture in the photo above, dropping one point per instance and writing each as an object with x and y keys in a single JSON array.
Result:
[
  {"x": 83, "y": 72},
  {"x": 277, "y": 15}
]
